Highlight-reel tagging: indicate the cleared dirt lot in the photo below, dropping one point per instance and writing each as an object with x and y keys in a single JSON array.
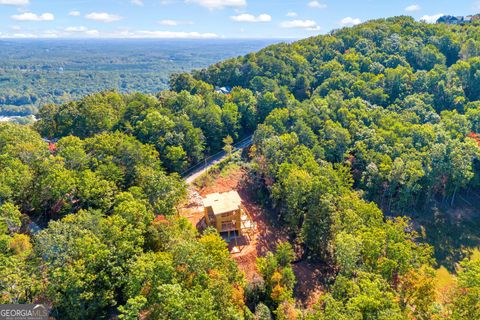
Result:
[{"x": 264, "y": 239}]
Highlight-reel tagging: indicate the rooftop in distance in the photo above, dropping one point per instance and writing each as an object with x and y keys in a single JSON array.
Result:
[{"x": 447, "y": 19}]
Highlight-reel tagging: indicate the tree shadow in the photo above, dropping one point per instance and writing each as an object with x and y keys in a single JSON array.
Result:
[{"x": 454, "y": 232}]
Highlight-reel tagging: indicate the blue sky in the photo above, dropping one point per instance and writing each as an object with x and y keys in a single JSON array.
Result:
[{"x": 205, "y": 18}]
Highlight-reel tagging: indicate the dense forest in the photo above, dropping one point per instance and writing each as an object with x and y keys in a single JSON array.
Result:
[
  {"x": 353, "y": 132},
  {"x": 37, "y": 72}
]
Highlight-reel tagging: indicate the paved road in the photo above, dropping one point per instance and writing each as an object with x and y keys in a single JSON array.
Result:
[{"x": 196, "y": 171}]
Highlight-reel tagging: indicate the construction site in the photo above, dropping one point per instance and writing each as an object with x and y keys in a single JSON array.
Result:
[
  {"x": 220, "y": 205},
  {"x": 245, "y": 227}
]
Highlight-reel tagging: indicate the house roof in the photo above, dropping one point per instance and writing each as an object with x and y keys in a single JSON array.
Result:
[
  {"x": 224, "y": 90},
  {"x": 449, "y": 18},
  {"x": 223, "y": 202},
  {"x": 455, "y": 19}
]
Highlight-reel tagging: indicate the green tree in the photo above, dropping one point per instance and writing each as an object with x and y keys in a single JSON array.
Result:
[
  {"x": 228, "y": 148},
  {"x": 465, "y": 304},
  {"x": 278, "y": 274}
]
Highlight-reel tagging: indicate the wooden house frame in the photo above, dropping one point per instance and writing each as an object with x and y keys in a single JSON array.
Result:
[{"x": 223, "y": 211}]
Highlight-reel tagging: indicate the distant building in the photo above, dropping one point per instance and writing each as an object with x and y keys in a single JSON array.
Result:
[
  {"x": 224, "y": 90},
  {"x": 223, "y": 211},
  {"x": 456, "y": 20},
  {"x": 449, "y": 20}
]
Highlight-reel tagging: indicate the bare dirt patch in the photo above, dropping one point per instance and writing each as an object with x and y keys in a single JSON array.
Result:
[
  {"x": 229, "y": 179},
  {"x": 266, "y": 236},
  {"x": 309, "y": 286},
  {"x": 193, "y": 209}
]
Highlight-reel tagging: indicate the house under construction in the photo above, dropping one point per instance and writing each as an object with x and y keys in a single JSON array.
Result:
[{"x": 224, "y": 211}]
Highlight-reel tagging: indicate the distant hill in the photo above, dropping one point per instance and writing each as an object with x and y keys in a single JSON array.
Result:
[{"x": 35, "y": 72}]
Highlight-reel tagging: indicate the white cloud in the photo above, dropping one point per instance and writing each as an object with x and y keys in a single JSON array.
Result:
[
  {"x": 246, "y": 17},
  {"x": 39, "y": 34},
  {"x": 19, "y": 35},
  {"x": 413, "y": 8},
  {"x": 74, "y": 13},
  {"x": 84, "y": 32},
  {"x": 137, "y": 2},
  {"x": 76, "y": 29},
  {"x": 170, "y": 23},
  {"x": 317, "y": 4},
  {"x": 349, "y": 21},
  {"x": 49, "y": 34},
  {"x": 432, "y": 18},
  {"x": 292, "y": 14},
  {"x": 219, "y": 4},
  {"x": 82, "y": 29},
  {"x": 15, "y": 2},
  {"x": 300, "y": 24},
  {"x": 173, "y": 23},
  {"x": 29, "y": 16},
  {"x": 103, "y": 17},
  {"x": 92, "y": 32},
  {"x": 162, "y": 34}
]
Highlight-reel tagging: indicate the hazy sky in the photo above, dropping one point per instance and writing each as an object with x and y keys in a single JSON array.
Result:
[{"x": 205, "y": 18}]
